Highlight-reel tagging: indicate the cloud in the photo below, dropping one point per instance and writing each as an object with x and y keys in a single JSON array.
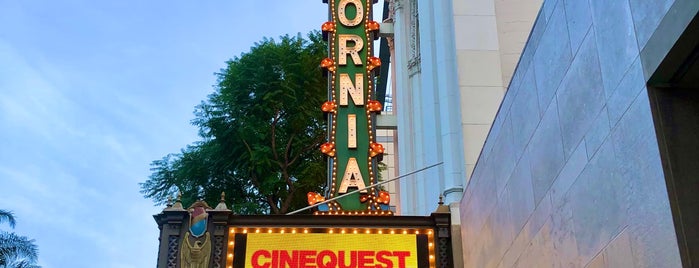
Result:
[{"x": 68, "y": 173}]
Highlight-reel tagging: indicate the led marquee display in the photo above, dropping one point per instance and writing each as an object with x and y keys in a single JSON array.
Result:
[
  {"x": 330, "y": 251},
  {"x": 330, "y": 248}
]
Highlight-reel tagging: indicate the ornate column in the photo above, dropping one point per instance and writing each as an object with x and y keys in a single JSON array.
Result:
[
  {"x": 443, "y": 252},
  {"x": 170, "y": 222},
  {"x": 203, "y": 241},
  {"x": 218, "y": 226}
]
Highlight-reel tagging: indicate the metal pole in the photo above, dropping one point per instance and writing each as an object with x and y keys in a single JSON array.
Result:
[{"x": 370, "y": 186}]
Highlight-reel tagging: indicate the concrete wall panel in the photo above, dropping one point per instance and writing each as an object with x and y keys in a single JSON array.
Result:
[
  {"x": 570, "y": 174},
  {"x": 552, "y": 58}
]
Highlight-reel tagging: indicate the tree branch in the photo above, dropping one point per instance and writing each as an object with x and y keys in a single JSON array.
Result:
[
  {"x": 274, "y": 135},
  {"x": 314, "y": 144},
  {"x": 287, "y": 202},
  {"x": 270, "y": 200}
]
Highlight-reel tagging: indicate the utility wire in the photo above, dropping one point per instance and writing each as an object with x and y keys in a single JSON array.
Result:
[{"x": 370, "y": 186}]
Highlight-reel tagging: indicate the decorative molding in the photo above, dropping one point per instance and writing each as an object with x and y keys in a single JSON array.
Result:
[
  {"x": 391, "y": 10},
  {"x": 391, "y": 43},
  {"x": 397, "y": 4},
  {"x": 444, "y": 232},
  {"x": 414, "y": 40},
  {"x": 172, "y": 249},
  {"x": 414, "y": 66},
  {"x": 443, "y": 253},
  {"x": 218, "y": 251}
]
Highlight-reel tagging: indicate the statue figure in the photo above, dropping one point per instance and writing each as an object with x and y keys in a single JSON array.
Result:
[{"x": 197, "y": 255}]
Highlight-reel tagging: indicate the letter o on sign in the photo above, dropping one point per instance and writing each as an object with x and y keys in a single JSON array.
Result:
[{"x": 343, "y": 15}]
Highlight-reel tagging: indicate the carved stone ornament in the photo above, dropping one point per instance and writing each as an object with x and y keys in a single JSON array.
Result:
[
  {"x": 197, "y": 254},
  {"x": 172, "y": 251},
  {"x": 414, "y": 67},
  {"x": 397, "y": 4},
  {"x": 218, "y": 250},
  {"x": 414, "y": 40}
]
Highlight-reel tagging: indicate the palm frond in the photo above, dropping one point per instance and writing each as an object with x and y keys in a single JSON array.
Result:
[
  {"x": 23, "y": 264},
  {"x": 6, "y": 215},
  {"x": 14, "y": 247}
]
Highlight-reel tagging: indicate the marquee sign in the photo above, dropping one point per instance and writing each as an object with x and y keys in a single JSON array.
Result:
[
  {"x": 329, "y": 251},
  {"x": 339, "y": 247},
  {"x": 351, "y": 146}
]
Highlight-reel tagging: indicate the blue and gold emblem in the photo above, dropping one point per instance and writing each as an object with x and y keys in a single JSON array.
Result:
[{"x": 198, "y": 218}]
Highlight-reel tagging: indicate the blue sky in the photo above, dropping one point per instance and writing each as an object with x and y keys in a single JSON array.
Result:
[{"x": 92, "y": 91}]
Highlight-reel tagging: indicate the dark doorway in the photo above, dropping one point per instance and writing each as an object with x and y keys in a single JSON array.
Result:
[{"x": 674, "y": 96}]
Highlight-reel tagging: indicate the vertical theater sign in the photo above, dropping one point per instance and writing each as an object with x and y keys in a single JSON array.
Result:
[
  {"x": 352, "y": 225},
  {"x": 351, "y": 148}
]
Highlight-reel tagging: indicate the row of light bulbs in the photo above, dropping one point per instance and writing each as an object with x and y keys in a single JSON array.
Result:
[
  {"x": 332, "y": 231},
  {"x": 384, "y": 213}
]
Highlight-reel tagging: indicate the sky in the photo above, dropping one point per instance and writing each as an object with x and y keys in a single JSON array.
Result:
[{"x": 92, "y": 91}]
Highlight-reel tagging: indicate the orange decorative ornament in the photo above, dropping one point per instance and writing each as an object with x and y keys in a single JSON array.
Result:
[
  {"x": 372, "y": 25},
  {"x": 314, "y": 198},
  {"x": 374, "y": 106},
  {"x": 373, "y": 63},
  {"x": 329, "y": 64},
  {"x": 328, "y": 107},
  {"x": 363, "y": 198},
  {"x": 376, "y": 149},
  {"x": 328, "y": 149},
  {"x": 328, "y": 27},
  {"x": 384, "y": 198}
]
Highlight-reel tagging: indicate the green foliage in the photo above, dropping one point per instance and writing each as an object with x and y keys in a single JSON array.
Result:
[
  {"x": 260, "y": 132},
  {"x": 381, "y": 167},
  {"x": 16, "y": 251}
]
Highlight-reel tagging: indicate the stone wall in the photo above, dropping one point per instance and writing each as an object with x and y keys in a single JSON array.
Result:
[{"x": 570, "y": 174}]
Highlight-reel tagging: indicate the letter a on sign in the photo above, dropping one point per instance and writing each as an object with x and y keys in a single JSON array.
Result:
[{"x": 352, "y": 177}]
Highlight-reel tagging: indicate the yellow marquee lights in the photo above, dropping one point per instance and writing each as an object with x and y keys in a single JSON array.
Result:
[
  {"x": 355, "y": 213},
  {"x": 294, "y": 230}
]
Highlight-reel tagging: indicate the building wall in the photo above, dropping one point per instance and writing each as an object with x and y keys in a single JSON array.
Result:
[
  {"x": 426, "y": 89},
  {"x": 450, "y": 77},
  {"x": 387, "y": 138},
  {"x": 489, "y": 37},
  {"x": 570, "y": 174}
]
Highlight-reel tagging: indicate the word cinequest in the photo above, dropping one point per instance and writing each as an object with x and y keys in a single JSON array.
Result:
[{"x": 329, "y": 259}]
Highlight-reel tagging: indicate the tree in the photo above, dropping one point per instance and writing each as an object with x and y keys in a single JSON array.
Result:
[
  {"x": 16, "y": 251},
  {"x": 260, "y": 132}
]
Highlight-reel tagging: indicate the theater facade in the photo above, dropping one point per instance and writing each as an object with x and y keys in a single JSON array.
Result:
[
  {"x": 352, "y": 225},
  {"x": 323, "y": 241}
]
